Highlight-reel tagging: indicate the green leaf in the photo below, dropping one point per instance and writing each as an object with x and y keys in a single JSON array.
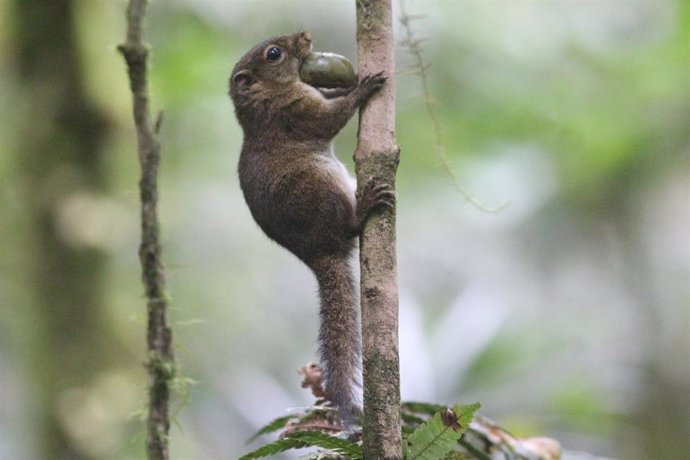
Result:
[
  {"x": 308, "y": 439},
  {"x": 437, "y": 436},
  {"x": 342, "y": 446},
  {"x": 275, "y": 447},
  {"x": 465, "y": 413},
  {"x": 270, "y": 427}
]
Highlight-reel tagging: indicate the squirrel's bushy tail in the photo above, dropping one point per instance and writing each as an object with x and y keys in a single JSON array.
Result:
[{"x": 340, "y": 336}]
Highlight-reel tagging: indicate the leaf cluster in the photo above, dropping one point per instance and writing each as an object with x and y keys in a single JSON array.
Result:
[{"x": 430, "y": 432}]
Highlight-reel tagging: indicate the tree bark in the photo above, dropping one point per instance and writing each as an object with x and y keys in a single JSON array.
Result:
[
  {"x": 376, "y": 158},
  {"x": 161, "y": 363}
]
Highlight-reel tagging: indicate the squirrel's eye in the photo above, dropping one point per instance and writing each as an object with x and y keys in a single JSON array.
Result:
[{"x": 273, "y": 54}]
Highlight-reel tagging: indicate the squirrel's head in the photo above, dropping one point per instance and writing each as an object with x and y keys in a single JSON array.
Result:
[{"x": 270, "y": 64}]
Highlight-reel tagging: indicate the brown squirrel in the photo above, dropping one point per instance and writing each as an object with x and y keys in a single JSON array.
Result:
[{"x": 302, "y": 196}]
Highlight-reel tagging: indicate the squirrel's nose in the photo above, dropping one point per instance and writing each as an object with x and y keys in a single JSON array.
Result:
[{"x": 305, "y": 36}]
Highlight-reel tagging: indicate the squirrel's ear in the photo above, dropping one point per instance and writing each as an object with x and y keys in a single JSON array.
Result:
[{"x": 242, "y": 80}]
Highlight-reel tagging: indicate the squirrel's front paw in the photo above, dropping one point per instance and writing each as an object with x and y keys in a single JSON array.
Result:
[{"x": 372, "y": 83}]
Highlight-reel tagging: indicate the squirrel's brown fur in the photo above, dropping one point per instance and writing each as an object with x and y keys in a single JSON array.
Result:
[{"x": 301, "y": 195}]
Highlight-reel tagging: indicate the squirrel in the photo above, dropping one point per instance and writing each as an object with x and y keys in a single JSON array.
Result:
[{"x": 302, "y": 196}]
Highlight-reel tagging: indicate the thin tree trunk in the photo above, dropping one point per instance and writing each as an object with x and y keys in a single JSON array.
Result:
[
  {"x": 59, "y": 159},
  {"x": 161, "y": 364},
  {"x": 376, "y": 158}
]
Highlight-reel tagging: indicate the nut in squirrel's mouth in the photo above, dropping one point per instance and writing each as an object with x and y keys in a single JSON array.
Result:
[{"x": 327, "y": 70}]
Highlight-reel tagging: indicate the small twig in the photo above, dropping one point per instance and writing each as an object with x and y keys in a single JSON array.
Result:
[
  {"x": 161, "y": 364},
  {"x": 414, "y": 48}
]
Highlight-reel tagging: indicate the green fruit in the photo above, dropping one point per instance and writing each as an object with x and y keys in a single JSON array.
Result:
[{"x": 327, "y": 70}]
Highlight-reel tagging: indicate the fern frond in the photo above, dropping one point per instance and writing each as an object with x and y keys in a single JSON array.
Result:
[
  {"x": 270, "y": 427},
  {"x": 303, "y": 439},
  {"x": 435, "y": 438}
]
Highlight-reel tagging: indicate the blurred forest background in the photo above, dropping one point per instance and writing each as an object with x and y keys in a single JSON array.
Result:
[{"x": 566, "y": 313}]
